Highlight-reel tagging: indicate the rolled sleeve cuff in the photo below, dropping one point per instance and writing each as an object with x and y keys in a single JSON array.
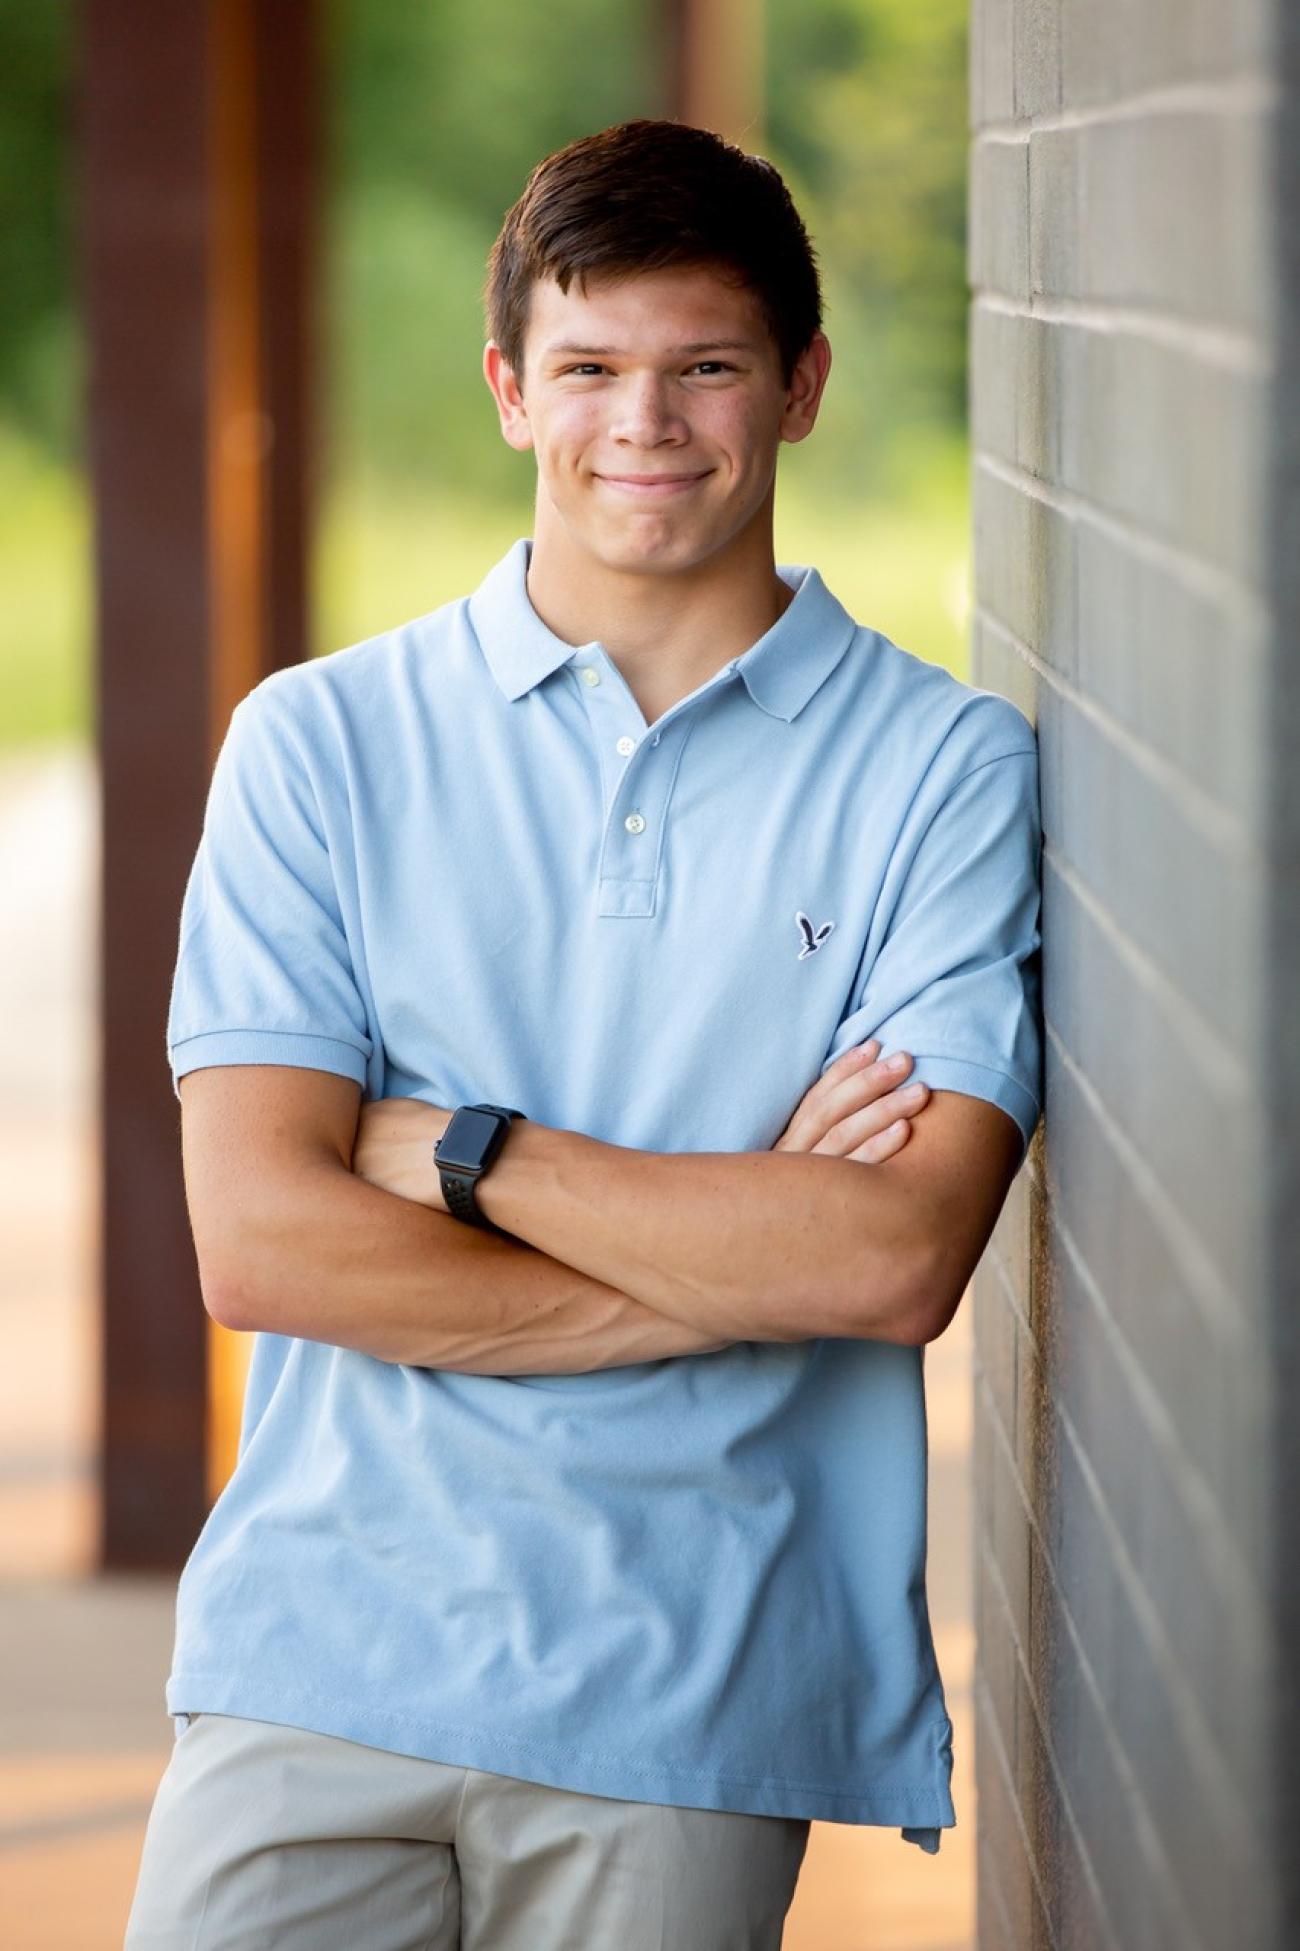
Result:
[
  {"x": 305, "y": 1051},
  {"x": 980, "y": 1080}
]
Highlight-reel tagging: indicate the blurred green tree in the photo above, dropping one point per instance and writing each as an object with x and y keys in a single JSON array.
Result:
[
  {"x": 39, "y": 343},
  {"x": 434, "y": 117}
]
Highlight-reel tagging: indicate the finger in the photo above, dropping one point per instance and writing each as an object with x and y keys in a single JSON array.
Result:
[
  {"x": 809, "y": 1122},
  {"x": 866, "y": 1085},
  {"x": 885, "y": 1143},
  {"x": 872, "y": 1119}
]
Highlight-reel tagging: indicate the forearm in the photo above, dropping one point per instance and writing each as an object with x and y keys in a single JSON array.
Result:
[
  {"x": 763, "y": 1246},
  {"x": 325, "y": 1256}
]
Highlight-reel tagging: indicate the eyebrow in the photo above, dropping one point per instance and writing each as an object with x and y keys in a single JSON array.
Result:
[{"x": 674, "y": 352}]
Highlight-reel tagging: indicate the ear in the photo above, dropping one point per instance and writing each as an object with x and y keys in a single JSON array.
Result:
[
  {"x": 499, "y": 374},
  {"x": 807, "y": 384}
]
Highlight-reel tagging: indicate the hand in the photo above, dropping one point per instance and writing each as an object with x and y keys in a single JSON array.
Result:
[
  {"x": 857, "y": 1110},
  {"x": 394, "y": 1148}
]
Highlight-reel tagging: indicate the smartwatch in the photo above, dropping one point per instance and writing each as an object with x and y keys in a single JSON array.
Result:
[{"x": 473, "y": 1138}]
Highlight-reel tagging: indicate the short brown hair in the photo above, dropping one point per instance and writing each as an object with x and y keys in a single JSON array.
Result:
[{"x": 640, "y": 196}]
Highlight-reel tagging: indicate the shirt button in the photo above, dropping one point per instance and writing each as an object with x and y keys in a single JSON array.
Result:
[
  {"x": 590, "y": 675},
  {"x": 626, "y": 745},
  {"x": 634, "y": 823}
]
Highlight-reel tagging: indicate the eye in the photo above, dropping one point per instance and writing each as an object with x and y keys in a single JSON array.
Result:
[{"x": 591, "y": 366}]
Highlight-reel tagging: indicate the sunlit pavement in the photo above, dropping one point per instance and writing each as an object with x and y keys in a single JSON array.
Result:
[{"x": 84, "y": 1734}]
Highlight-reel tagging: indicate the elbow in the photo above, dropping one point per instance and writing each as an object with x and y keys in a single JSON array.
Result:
[
  {"x": 902, "y": 1304},
  {"x": 937, "y": 1295},
  {"x": 227, "y": 1300},
  {"x": 920, "y": 1305},
  {"x": 930, "y": 1312}
]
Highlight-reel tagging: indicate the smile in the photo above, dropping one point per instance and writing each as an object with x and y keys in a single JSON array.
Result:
[{"x": 650, "y": 488}]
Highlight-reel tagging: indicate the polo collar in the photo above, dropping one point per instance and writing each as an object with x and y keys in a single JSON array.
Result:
[{"x": 782, "y": 670}]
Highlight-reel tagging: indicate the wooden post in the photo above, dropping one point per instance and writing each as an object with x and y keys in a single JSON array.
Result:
[
  {"x": 195, "y": 154},
  {"x": 712, "y": 66}
]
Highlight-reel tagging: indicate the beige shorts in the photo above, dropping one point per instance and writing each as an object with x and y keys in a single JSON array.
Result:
[{"x": 271, "y": 1838}]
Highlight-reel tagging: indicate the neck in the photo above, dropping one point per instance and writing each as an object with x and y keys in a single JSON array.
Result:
[{"x": 667, "y": 630}]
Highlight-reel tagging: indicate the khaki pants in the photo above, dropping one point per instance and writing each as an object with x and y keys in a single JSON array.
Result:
[{"x": 270, "y": 1838}]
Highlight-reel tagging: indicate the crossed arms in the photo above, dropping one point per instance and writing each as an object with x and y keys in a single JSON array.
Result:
[{"x": 624, "y": 1255}]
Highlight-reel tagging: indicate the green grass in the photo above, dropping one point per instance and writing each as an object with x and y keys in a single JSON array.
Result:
[
  {"x": 384, "y": 555},
  {"x": 45, "y": 622}
]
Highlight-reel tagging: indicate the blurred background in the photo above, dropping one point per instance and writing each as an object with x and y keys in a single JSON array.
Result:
[
  {"x": 431, "y": 118},
  {"x": 189, "y": 500}
]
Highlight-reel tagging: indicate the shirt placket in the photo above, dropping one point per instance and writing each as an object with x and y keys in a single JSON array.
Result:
[{"x": 638, "y": 770}]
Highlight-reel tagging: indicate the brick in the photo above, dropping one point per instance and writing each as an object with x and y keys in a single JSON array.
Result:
[
  {"x": 1017, "y": 390},
  {"x": 994, "y": 339},
  {"x": 992, "y": 93},
  {"x": 1160, "y": 652},
  {"x": 997, "y": 251},
  {"x": 1078, "y": 1919},
  {"x": 1037, "y": 26},
  {"x": 1188, "y": 897},
  {"x": 1154, "y": 434},
  {"x": 1160, "y": 1084},
  {"x": 1186, "y": 1343},
  {"x": 1164, "y": 212},
  {"x": 1176, "y": 211},
  {"x": 1206, "y": 1647},
  {"x": 1003, "y": 1835},
  {"x": 1054, "y": 212},
  {"x": 1121, "y": 1740},
  {"x": 1024, "y": 567},
  {"x": 995, "y": 1333},
  {"x": 1010, "y": 1533},
  {"x": 1040, "y": 396},
  {"x": 1111, "y": 49},
  {"x": 1009, "y": 1241},
  {"x": 999, "y": 664},
  {"x": 999, "y": 1664}
]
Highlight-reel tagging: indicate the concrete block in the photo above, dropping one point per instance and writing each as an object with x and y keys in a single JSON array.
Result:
[
  {"x": 1160, "y": 1080},
  {"x": 1163, "y": 212},
  {"x": 1024, "y": 573},
  {"x": 993, "y": 342},
  {"x": 999, "y": 1662},
  {"x": 1160, "y": 650},
  {"x": 1158, "y": 435},
  {"x": 999, "y": 664},
  {"x": 1182, "y": 884},
  {"x": 1112, "y": 49},
  {"x": 992, "y": 77},
  {"x": 1037, "y": 56},
  {"x": 994, "y": 1320},
  {"x": 1003, "y": 1837},
  {"x": 997, "y": 228},
  {"x": 1143, "y": 1257},
  {"x": 1055, "y": 202}
]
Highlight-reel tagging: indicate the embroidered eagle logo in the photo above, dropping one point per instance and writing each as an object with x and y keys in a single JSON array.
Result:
[{"x": 811, "y": 941}]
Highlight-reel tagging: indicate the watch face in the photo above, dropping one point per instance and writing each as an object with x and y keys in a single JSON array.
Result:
[{"x": 469, "y": 1140}]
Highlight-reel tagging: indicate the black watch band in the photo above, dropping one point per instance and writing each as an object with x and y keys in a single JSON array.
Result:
[{"x": 474, "y": 1136}]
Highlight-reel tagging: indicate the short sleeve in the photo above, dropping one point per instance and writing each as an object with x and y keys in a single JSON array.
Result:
[
  {"x": 957, "y": 979},
  {"x": 263, "y": 972}
]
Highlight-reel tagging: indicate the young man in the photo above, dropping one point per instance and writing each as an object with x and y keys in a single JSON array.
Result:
[{"x": 574, "y": 1560}]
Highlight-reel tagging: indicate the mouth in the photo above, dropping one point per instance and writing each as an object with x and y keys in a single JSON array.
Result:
[{"x": 653, "y": 487}]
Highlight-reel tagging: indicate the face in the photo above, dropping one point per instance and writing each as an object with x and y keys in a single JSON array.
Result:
[{"x": 655, "y": 407}]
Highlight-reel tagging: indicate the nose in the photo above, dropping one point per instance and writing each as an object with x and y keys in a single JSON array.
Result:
[{"x": 645, "y": 415}]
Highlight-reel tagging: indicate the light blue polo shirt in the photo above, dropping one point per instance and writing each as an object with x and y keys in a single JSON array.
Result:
[{"x": 454, "y": 862}]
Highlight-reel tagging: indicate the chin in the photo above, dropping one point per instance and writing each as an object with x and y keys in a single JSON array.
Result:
[{"x": 645, "y": 544}]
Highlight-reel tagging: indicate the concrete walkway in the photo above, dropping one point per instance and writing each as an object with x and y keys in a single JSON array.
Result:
[{"x": 84, "y": 1735}]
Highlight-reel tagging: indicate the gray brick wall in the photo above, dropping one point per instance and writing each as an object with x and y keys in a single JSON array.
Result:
[{"x": 1134, "y": 384}]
